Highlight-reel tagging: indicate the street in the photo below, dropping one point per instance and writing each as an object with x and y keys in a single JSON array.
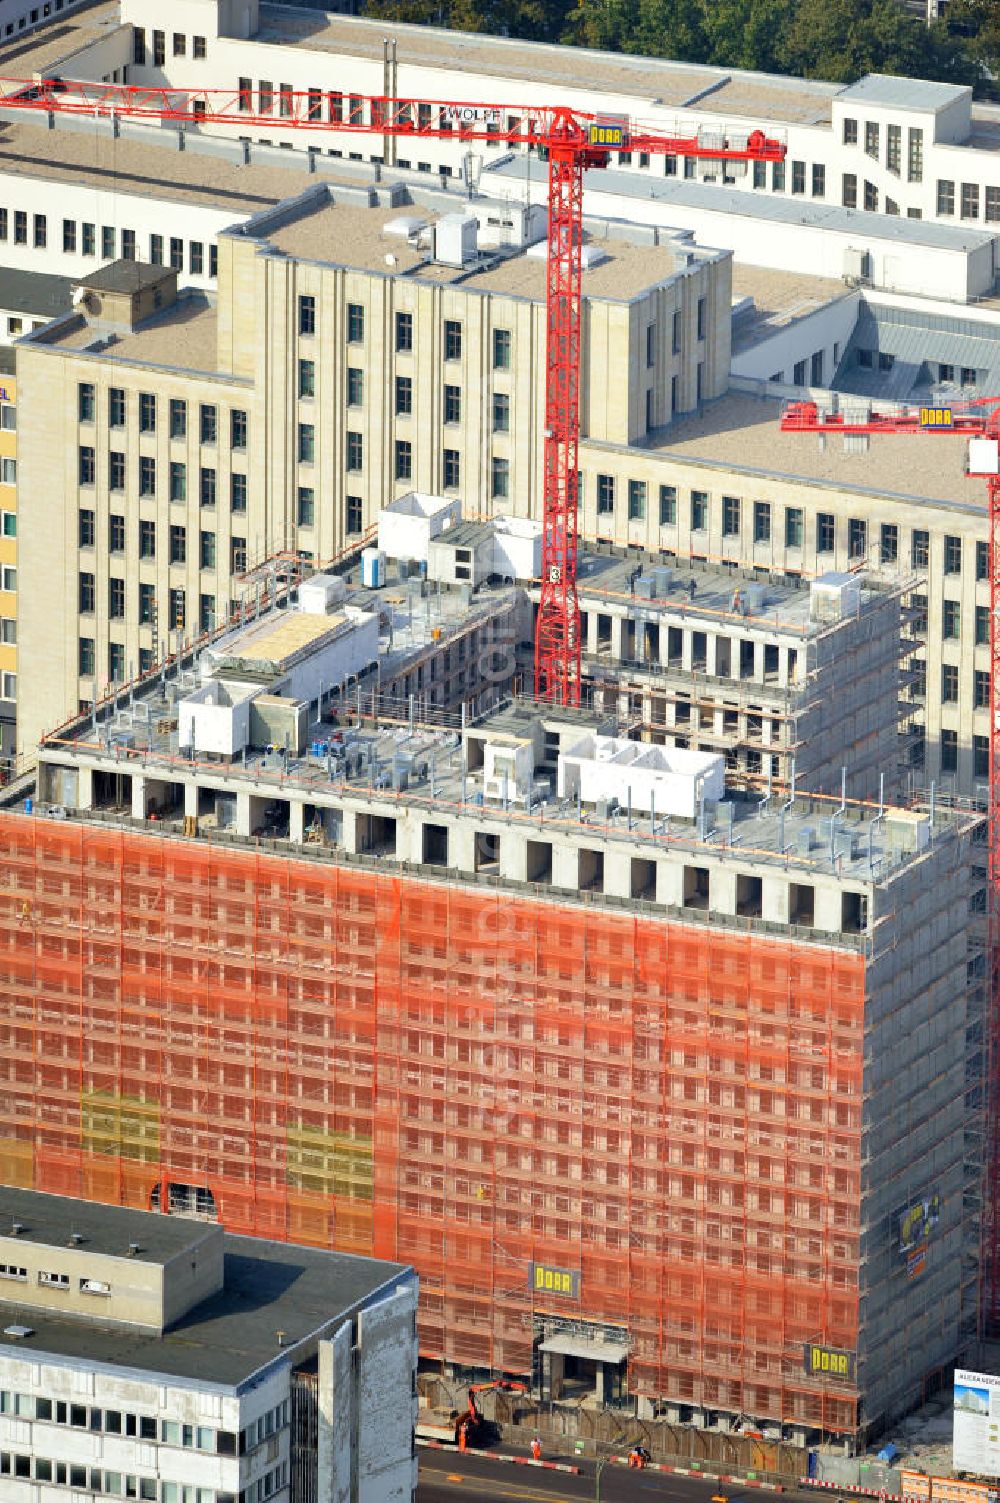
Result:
[{"x": 449, "y": 1475}]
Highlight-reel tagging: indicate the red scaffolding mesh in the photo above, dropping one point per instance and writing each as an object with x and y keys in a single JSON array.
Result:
[{"x": 455, "y": 1077}]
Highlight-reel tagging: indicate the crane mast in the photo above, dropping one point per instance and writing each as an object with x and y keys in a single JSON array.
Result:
[
  {"x": 978, "y": 422},
  {"x": 574, "y": 140}
]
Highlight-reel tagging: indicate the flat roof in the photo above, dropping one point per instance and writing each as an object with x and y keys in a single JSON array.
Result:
[
  {"x": 780, "y": 297},
  {"x": 277, "y": 638},
  {"x": 36, "y": 292},
  {"x": 514, "y": 61},
  {"x": 182, "y": 337},
  {"x": 741, "y": 433},
  {"x": 903, "y": 93},
  {"x": 127, "y": 276},
  {"x": 22, "y": 56},
  {"x": 224, "y": 1341},
  {"x": 109, "y": 1230}
]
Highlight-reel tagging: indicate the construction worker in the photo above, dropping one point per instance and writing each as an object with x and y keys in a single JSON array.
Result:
[
  {"x": 536, "y": 1449},
  {"x": 463, "y": 1435}
]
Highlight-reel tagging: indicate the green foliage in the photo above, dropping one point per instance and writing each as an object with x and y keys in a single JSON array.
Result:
[{"x": 836, "y": 40}]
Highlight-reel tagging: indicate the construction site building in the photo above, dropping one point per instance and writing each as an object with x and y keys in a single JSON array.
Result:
[{"x": 644, "y": 1073}]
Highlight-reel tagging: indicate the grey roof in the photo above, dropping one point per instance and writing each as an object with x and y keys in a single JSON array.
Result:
[
  {"x": 918, "y": 343},
  {"x": 127, "y": 276},
  {"x": 227, "y": 1339},
  {"x": 904, "y": 93},
  {"x": 36, "y": 292},
  {"x": 49, "y": 1219},
  {"x": 760, "y": 205}
]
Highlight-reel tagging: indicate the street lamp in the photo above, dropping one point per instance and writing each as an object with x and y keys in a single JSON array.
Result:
[{"x": 602, "y": 1462}]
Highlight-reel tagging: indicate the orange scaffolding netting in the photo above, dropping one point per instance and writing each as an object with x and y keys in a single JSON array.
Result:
[{"x": 458, "y": 1078}]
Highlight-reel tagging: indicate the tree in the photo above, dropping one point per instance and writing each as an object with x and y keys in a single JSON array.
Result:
[
  {"x": 841, "y": 40},
  {"x": 747, "y": 33}
]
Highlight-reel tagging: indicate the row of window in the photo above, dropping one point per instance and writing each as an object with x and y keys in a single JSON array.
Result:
[
  {"x": 969, "y": 201},
  {"x": 176, "y": 612},
  {"x": 36, "y": 14},
  {"x": 118, "y": 669},
  {"x": 118, "y": 1422},
  {"x": 158, "y": 39},
  {"x": 177, "y": 419},
  {"x": 104, "y": 1483},
  {"x": 178, "y": 548},
  {"x": 950, "y": 685},
  {"x": 893, "y": 147},
  {"x": 177, "y": 480},
  {"x": 404, "y": 338},
  {"x": 82, "y": 236},
  {"x": 353, "y": 515}
]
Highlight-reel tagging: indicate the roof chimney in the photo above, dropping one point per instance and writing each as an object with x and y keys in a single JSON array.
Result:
[{"x": 17, "y": 1227}]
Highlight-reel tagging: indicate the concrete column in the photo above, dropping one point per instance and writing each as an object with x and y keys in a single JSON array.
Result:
[
  {"x": 829, "y": 908},
  {"x": 462, "y": 846},
  {"x": 617, "y": 622},
  {"x": 138, "y": 795},
  {"x": 670, "y": 882},
  {"x": 722, "y": 887},
  {"x": 711, "y": 641},
  {"x": 296, "y": 821},
  {"x": 243, "y": 815},
  {"x": 687, "y": 653},
  {"x": 514, "y": 855},
  {"x": 565, "y": 865},
  {"x": 349, "y": 831},
  {"x": 85, "y": 788},
  {"x": 191, "y": 800},
  {"x": 591, "y": 644},
  {"x": 618, "y": 872},
  {"x": 774, "y": 899}
]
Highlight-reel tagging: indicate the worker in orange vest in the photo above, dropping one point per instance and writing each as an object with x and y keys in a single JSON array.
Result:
[{"x": 536, "y": 1449}]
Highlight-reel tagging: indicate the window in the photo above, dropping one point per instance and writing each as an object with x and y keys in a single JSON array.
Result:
[
  {"x": 798, "y": 177},
  {"x": 355, "y": 515},
  {"x": 981, "y": 756},
  {"x": 793, "y": 527},
  {"x": 850, "y": 132},
  {"x": 147, "y": 475},
  {"x": 355, "y": 451},
  {"x": 452, "y": 339},
  {"x": 206, "y": 488},
  {"x": 453, "y": 404},
  {"x": 404, "y": 396},
  {"x": 208, "y": 423},
  {"x": 637, "y": 500},
  {"x": 237, "y": 429},
  {"x": 237, "y": 493},
  {"x": 949, "y": 684},
  {"x": 176, "y": 253},
  {"x": 180, "y": 44},
  {"x": 355, "y": 323},
  {"x": 8, "y": 524},
  {"x": 206, "y": 623},
  {"x": 605, "y": 495},
  {"x": 307, "y": 378},
  {"x": 918, "y": 605},
  {"x": 8, "y": 578},
  {"x": 982, "y": 625},
  {"x": 138, "y": 45},
  {"x": 889, "y": 542},
  {"x": 108, "y": 242},
  {"x": 307, "y": 315},
  {"x": 501, "y": 412},
  {"x": 116, "y": 533},
  {"x": 699, "y": 511},
  {"x": 86, "y": 402},
  {"x": 500, "y": 478},
  {"x": 818, "y": 180},
  {"x": 918, "y": 688},
  {"x": 306, "y": 506},
  {"x": 3, "y": 224},
  {"x": 116, "y": 407},
  {"x": 206, "y": 551},
  {"x": 730, "y": 516},
  {"x": 951, "y": 619},
  {"x": 920, "y": 544},
  {"x": 849, "y": 190},
  {"x": 970, "y": 200},
  {"x": 857, "y": 537},
  {"x": 968, "y": 375},
  {"x": 894, "y": 148},
  {"x": 86, "y": 528},
  {"x": 8, "y": 417},
  {"x": 915, "y": 156},
  {"x": 199, "y": 48},
  {"x": 116, "y": 599},
  {"x": 451, "y": 468},
  {"x": 980, "y": 690},
  {"x": 178, "y": 543},
  {"x": 650, "y": 346},
  {"x": 871, "y": 139},
  {"x": 196, "y": 258},
  {"x": 945, "y": 197},
  {"x": 265, "y": 96},
  {"x": 20, "y": 227},
  {"x": 702, "y": 307},
  {"x": 826, "y": 532},
  {"x": 799, "y": 373},
  {"x": 760, "y": 174},
  {"x": 246, "y": 95},
  {"x": 668, "y": 505},
  {"x": 87, "y": 465},
  {"x": 147, "y": 412},
  {"x": 128, "y": 245},
  {"x": 87, "y": 594},
  {"x": 178, "y": 481},
  {"x": 992, "y": 205},
  {"x": 946, "y": 372},
  {"x": 40, "y": 231},
  {"x": 982, "y": 561},
  {"x": 177, "y": 609},
  {"x": 159, "y": 49},
  {"x": 762, "y": 521},
  {"x": 871, "y": 197},
  {"x": 949, "y": 751},
  {"x": 952, "y": 555},
  {"x": 777, "y": 177},
  {"x": 147, "y": 538},
  {"x": 404, "y": 459},
  {"x": 404, "y": 333},
  {"x": 85, "y": 657}
]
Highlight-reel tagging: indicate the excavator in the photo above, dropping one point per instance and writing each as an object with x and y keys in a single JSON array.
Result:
[{"x": 471, "y": 1428}]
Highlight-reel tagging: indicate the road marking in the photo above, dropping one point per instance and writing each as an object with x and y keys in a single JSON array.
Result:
[
  {"x": 454, "y": 1477},
  {"x": 494, "y": 1489}
]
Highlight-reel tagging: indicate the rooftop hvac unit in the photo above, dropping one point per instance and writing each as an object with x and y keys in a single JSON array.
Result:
[
  {"x": 857, "y": 264},
  {"x": 455, "y": 239}
]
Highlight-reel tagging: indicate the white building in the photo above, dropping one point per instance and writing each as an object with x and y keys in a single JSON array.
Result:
[{"x": 159, "y": 1358}]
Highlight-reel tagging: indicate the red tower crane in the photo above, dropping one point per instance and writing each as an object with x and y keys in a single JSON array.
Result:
[
  {"x": 978, "y": 422},
  {"x": 573, "y": 140}
]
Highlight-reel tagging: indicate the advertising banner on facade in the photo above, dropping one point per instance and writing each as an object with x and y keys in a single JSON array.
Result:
[{"x": 976, "y": 1443}]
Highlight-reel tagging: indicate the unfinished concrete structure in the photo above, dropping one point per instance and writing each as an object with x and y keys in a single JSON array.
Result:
[{"x": 598, "y": 1041}]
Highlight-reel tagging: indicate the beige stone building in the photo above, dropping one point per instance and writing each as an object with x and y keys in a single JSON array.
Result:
[{"x": 360, "y": 346}]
